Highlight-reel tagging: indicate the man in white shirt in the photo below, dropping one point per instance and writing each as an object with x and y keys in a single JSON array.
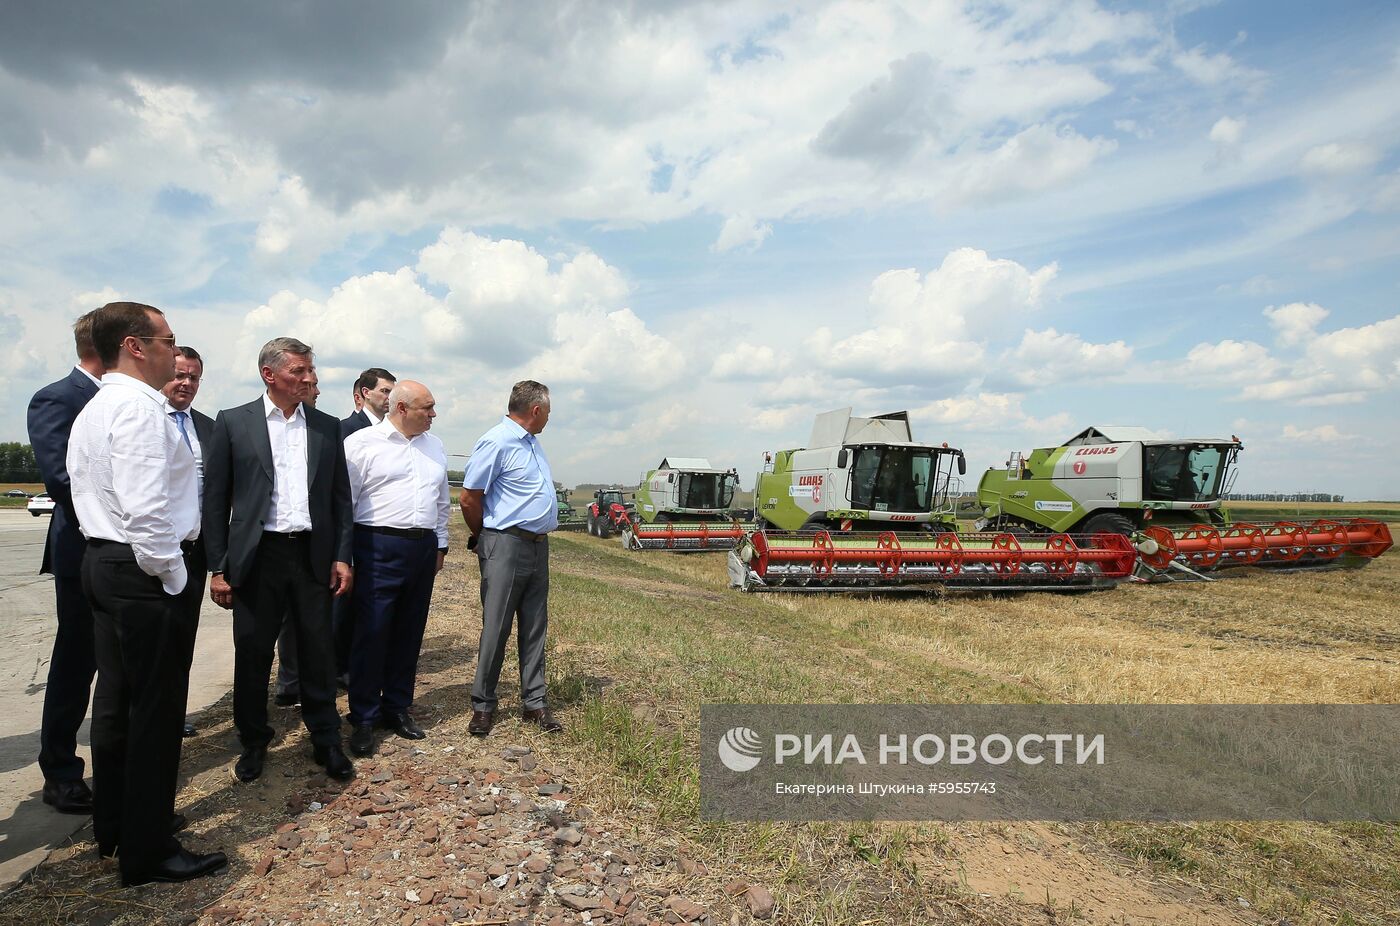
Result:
[
  {"x": 277, "y": 528},
  {"x": 194, "y": 427},
  {"x": 398, "y": 486},
  {"x": 135, "y": 490}
]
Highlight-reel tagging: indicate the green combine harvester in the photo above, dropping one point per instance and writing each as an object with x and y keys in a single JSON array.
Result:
[
  {"x": 860, "y": 474},
  {"x": 684, "y": 505},
  {"x": 1165, "y": 494}
]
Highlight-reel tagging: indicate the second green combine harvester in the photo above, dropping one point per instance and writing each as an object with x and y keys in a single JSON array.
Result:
[{"x": 1166, "y": 494}]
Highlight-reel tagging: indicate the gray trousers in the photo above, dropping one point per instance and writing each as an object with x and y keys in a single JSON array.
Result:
[{"x": 514, "y": 583}]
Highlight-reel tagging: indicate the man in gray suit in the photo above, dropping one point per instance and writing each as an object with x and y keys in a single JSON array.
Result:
[{"x": 278, "y": 531}]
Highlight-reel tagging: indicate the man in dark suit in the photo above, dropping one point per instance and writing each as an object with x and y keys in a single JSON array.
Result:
[
  {"x": 52, "y": 412},
  {"x": 195, "y": 428},
  {"x": 371, "y": 400},
  {"x": 278, "y": 534}
]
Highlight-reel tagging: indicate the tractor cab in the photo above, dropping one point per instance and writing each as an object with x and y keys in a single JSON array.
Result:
[{"x": 607, "y": 498}]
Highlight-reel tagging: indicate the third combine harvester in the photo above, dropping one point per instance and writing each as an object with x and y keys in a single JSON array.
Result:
[
  {"x": 1166, "y": 496},
  {"x": 865, "y": 506},
  {"x": 684, "y": 504}
]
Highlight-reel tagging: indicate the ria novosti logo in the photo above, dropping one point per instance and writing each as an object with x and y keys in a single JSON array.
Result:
[{"x": 740, "y": 749}]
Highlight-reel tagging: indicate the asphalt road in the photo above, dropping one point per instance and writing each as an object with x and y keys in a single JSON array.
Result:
[{"x": 28, "y": 827}]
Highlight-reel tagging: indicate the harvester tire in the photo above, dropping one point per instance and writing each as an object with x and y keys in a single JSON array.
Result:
[
  {"x": 1108, "y": 522},
  {"x": 604, "y": 528}
]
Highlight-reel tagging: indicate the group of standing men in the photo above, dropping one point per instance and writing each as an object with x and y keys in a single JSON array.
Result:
[{"x": 274, "y": 501}]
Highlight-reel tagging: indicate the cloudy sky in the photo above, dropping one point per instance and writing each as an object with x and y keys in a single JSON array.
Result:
[{"x": 703, "y": 223}]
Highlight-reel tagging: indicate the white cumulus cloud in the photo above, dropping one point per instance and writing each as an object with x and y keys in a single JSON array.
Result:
[
  {"x": 741, "y": 232},
  {"x": 1295, "y": 322},
  {"x": 1227, "y": 131}
]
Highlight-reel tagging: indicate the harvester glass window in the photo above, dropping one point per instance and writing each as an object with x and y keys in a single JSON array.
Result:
[
  {"x": 699, "y": 490},
  {"x": 727, "y": 487},
  {"x": 891, "y": 479},
  {"x": 1184, "y": 473}
]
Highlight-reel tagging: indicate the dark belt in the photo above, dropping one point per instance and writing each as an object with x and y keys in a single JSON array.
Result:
[
  {"x": 520, "y": 532},
  {"x": 186, "y": 546},
  {"x": 100, "y": 542},
  {"x": 290, "y": 535},
  {"x": 415, "y": 533}
]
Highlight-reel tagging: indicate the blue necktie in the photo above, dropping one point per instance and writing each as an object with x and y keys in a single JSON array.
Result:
[{"x": 180, "y": 423}]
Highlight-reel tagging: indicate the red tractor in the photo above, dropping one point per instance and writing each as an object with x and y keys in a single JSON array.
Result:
[{"x": 608, "y": 512}]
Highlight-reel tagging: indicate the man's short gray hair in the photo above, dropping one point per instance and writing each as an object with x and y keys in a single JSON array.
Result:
[
  {"x": 274, "y": 353},
  {"x": 525, "y": 395}
]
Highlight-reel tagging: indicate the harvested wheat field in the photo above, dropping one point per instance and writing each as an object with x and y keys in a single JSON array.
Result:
[{"x": 600, "y": 825}]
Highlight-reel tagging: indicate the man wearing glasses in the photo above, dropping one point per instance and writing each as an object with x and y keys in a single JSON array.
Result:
[{"x": 135, "y": 490}]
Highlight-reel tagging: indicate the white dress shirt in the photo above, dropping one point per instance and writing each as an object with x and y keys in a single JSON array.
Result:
[
  {"x": 133, "y": 477},
  {"x": 171, "y": 413},
  {"x": 396, "y": 481},
  {"x": 290, "y": 508}
]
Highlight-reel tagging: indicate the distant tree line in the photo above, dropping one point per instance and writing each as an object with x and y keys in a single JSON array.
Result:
[
  {"x": 17, "y": 463},
  {"x": 1282, "y": 497}
]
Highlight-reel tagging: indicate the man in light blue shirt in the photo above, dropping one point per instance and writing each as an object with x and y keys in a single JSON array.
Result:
[{"x": 509, "y": 505}]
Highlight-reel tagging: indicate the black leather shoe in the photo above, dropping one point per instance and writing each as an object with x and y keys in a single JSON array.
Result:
[
  {"x": 68, "y": 796},
  {"x": 184, "y": 865},
  {"x": 335, "y": 762},
  {"x": 481, "y": 723},
  {"x": 403, "y": 725},
  {"x": 543, "y": 718},
  {"x": 362, "y": 739},
  {"x": 286, "y": 699},
  {"x": 189, "y": 731},
  {"x": 250, "y": 765},
  {"x": 177, "y": 822}
]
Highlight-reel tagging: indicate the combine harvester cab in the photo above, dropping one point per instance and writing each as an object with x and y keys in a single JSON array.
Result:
[
  {"x": 609, "y": 512},
  {"x": 865, "y": 507},
  {"x": 684, "y": 505},
  {"x": 1166, "y": 496}
]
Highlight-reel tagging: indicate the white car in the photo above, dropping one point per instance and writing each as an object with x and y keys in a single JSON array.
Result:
[{"x": 41, "y": 504}]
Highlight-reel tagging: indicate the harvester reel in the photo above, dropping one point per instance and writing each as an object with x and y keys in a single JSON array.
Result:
[{"x": 823, "y": 561}]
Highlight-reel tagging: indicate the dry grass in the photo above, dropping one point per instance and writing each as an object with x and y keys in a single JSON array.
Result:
[{"x": 1329, "y": 637}]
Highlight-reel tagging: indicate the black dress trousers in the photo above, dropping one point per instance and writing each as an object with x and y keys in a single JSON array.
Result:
[{"x": 142, "y": 639}]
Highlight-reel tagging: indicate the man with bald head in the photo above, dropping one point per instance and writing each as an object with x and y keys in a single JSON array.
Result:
[{"x": 398, "y": 487}]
